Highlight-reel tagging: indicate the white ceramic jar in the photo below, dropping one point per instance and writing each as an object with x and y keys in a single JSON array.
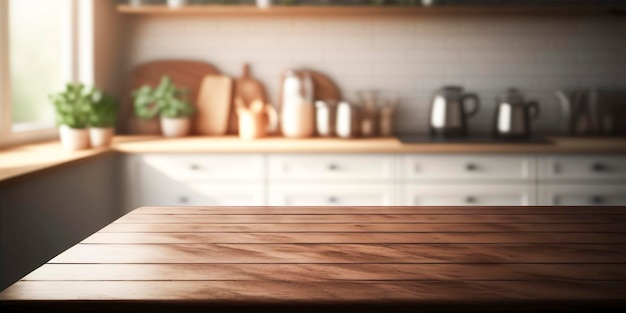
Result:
[{"x": 298, "y": 111}]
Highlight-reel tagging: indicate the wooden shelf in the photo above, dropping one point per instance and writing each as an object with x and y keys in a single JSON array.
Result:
[{"x": 367, "y": 11}]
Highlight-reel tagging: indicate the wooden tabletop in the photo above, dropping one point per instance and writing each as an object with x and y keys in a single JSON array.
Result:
[{"x": 255, "y": 259}]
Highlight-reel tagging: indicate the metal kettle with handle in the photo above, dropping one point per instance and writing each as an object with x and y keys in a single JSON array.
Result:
[
  {"x": 513, "y": 115},
  {"x": 449, "y": 113}
]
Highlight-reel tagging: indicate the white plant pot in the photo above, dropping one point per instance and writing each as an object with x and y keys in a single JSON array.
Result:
[
  {"x": 73, "y": 139},
  {"x": 176, "y": 3},
  {"x": 175, "y": 127},
  {"x": 101, "y": 137},
  {"x": 263, "y": 3}
]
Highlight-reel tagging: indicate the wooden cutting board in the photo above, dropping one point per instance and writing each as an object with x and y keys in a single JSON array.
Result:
[
  {"x": 249, "y": 90},
  {"x": 324, "y": 88},
  {"x": 184, "y": 73},
  {"x": 214, "y": 105}
]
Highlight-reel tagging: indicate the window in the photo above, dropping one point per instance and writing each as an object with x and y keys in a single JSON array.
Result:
[{"x": 38, "y": 56}]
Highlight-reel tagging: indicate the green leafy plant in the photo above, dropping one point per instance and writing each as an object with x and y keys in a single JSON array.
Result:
[
  {"x": 72, "y": 105},
  {"x": 102, "y": 110},
  {"x": 166, "y": 99}
]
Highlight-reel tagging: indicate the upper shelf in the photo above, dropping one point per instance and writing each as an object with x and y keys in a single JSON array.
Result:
[{"x": 331, "y": 10}]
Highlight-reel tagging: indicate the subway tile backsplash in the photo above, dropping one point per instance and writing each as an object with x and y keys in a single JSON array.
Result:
[{"x": 411, "y": 57}]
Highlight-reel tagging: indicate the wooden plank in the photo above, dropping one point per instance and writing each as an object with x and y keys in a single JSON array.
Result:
[
  {"x": 356, "y": 218},
  {"x": 341, "y": 11},
  {"x": 324, "y": 272},
  {"x": 190, "y": 237},
  {"x": 343, "y": 253},
  {"x": 315, "y": 292},
  {"x": 396, "y": 210},
  {"x": 364, "y": 228}
]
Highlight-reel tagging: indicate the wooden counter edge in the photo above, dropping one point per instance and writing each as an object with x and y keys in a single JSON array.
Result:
[{"x": 232, "y": 144}]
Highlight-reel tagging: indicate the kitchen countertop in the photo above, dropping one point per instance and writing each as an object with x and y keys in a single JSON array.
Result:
[
  {"x": 19, "y": 161},
  {"x": 312, "y": 259}
]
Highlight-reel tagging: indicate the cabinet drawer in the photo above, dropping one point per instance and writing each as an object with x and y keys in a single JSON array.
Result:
[
  {"x": 196, "y": 167},
  {"x": 461, "y": 195},
  {"x": 583, "y": 167},
  {"x": 596, "y": 195},
  {"x": 467, "y": 167},
  {"x": 202, "y": 194},
  {"x": 331, "y": 167},
  {"x": 331, "y": 194}
]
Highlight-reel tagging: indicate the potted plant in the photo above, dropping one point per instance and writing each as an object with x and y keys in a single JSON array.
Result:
[
  {"x": 169, "y": 102},
  {"x": 72, "y": 108},
  {"x": 101, "y": 118}
]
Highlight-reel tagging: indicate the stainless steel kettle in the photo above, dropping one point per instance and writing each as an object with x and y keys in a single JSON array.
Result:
[
  {"x": 513, "y": 115},
  {"x": 449, "y": 113}
]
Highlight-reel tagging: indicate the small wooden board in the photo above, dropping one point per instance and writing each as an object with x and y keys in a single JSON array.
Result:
[{"x": 214, "y": 105}]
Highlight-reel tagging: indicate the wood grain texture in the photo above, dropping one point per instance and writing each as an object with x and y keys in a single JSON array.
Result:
[
  {"x": 328, "y": 237},
  {"x": 343, "y": 253},
  {"x": 372, "y": 219},
  {"x": 272, "y": 210},
  {"x": 365, "y": 11},
  {"x": 369, "y": 228},
  {"x": 371, "y": 259},
  {"x": 325, "y": 272}
]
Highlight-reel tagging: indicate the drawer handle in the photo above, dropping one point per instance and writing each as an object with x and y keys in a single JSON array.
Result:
[
  {"x": 597, "y": 200},
  {"x": 599, "y": 167},
  {"x": 183, "y": 199},
  {"x": 470, "y": 167},
  {"x": 470, "y": 199},
  {"x": 194, "y": 167},
  {"x": 332, "y": 199},
  {"x": 333, "y": 167}
]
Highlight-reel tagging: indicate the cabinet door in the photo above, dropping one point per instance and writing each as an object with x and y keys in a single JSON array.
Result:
[
  {"x": 302, "y": 194},
  {"x": 205, "y": 167},
  {"x": 201, "y": 194},
  {"x": 331, "y": 167},
  {"x": 468, "y": 195},
  {"x": 466, "y": 167},
  {"x": 596, "y": 195},
  {"x": 592, "y": 167}
]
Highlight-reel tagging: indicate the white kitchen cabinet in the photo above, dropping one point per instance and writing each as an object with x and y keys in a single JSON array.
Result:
[
  {"x": 331, "y": 167},
  {"x": 459, "y": 180},
  {"x": 453, "y": 194},
  {"x": 194, "y": 194},
  {"x": 206, "y": 167},
  {"x": 331, "y": 179},
  {"x": 582, "y": 180},
  {"x": 577, "y": 194},
  {"x": 335, "y": 194},
  {"x": 582, "y": 167},
  {"x": 466, "y": 167},
  {"x": 195, "y": 179}
]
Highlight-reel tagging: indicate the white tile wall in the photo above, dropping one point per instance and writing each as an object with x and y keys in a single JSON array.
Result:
[{"x": 410, "y": 56}]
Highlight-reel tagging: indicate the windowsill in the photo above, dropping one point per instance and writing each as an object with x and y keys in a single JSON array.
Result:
[{"x": 20, "y": 161}]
